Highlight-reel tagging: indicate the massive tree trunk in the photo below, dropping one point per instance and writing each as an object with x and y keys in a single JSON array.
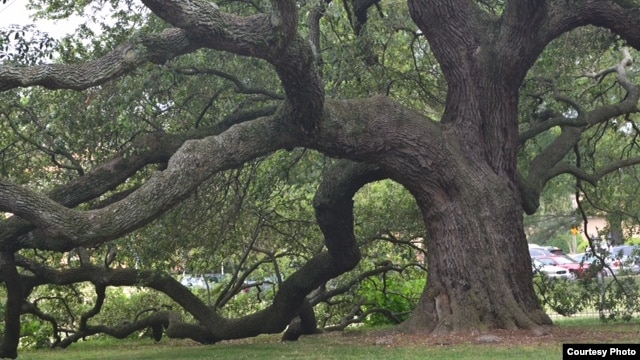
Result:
[{"x": 479, "y": 269}]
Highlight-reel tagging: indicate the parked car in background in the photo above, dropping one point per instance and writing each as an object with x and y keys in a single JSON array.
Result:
[
  {"x": 583, "y": 257},
  {"x": 578, "y": 269},
  {"x": 619, "y": 260},
  {"x": 537, "y": 251},
  {"x": 593, "y": 262},
  {"x": 551, "y": 271},
  {"x": 624, "y": 260}
]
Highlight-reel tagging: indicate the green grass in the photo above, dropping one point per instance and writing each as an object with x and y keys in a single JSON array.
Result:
[
  {"x": 355, "y": 346},
  {"x": 594, "y": 323},
  {"x": 305, "y": 349}
]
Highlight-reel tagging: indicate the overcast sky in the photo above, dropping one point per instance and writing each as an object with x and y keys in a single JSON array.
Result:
[{"x": 14, "y": 12}]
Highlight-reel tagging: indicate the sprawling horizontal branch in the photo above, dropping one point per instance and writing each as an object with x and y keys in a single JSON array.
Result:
[
  {"x": 348, "y": 130},
  {"x": 120, "y": 61},
  {"x": 148, "y": 149},
  {"x": 362, "y": 130},
  {"x": 334, "y": 209},
  {"x": 63, "y": 228}
]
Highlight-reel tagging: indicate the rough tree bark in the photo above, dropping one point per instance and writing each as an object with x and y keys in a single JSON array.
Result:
[
  {"x": 461, "y": 170},
  {"x": 8, "y": 273}
]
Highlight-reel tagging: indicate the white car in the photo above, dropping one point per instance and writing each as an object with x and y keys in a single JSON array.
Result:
[{"x": 551, "y": 271}]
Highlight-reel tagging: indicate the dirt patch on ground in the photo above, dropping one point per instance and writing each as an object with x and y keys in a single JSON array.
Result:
[{"x": 545, "y": 336}]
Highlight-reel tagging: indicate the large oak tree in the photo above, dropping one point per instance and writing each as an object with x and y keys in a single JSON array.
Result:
[{"x": 461, "y": 168}]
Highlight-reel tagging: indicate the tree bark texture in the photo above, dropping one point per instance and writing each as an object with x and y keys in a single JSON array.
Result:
[{"x": 8, "y": 273}]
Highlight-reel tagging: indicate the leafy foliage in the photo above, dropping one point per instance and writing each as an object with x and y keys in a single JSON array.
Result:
[
  {"x": 611, "y": 298},
  {"x": 392, "y": 293},
  {"x": 25, "y": 45}
]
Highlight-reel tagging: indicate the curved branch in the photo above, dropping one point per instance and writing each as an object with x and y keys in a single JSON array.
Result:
[
  {"x": 120, "y": 61},
  {"x": 334, "y": 207},
  {"x": 620, "y": 16},
  {"x": 169, "y": 320},
  {"x": 240, "y": 86},
  {"x": 148, "y": 149},
  {"x": 272, "y": 37},
  {"x": 62, "y": 229},
  {"x": 263, "y": 35},
  {"x": 194, "y": 162},
  {"x": 594, "y": 177}
]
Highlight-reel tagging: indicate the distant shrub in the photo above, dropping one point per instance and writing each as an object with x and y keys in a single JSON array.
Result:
[
  {"x": 611, "y": 299},
  {"x": 394, "y": 294}
]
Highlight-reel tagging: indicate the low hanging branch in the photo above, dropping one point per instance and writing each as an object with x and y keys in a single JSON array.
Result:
[
  {"x": 153, "y": 148},
  {"x": 334, "y": 206},
  {"x": 66, "y": 228}
]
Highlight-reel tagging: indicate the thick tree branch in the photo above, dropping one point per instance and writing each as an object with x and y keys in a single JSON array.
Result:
[
  {"x": 157, "y": 320},
  {"x": 101, "y": 276},
  {"x": 452, "y": 28},
  {"x": 620, "y": 16},
  {"x": 196, "y": 161},
  {"x": 521, "y": 23},
  {"x": 369, "y": 119},
  {"x": 334, "y": 206},
  {"x": 148, "y": 149},
  {"x": 256, "y": 35},
  {"x": 120, "y": 61},
  {"x": 272, "y": 37}
]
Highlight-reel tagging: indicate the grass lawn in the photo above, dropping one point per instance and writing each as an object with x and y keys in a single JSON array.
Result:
[
  {"x": 304, "y": 349},
  {"x": 359, "y": 345}
]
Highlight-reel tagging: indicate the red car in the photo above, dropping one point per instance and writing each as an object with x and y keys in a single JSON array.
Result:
[{"x": 577, "y": 269}]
